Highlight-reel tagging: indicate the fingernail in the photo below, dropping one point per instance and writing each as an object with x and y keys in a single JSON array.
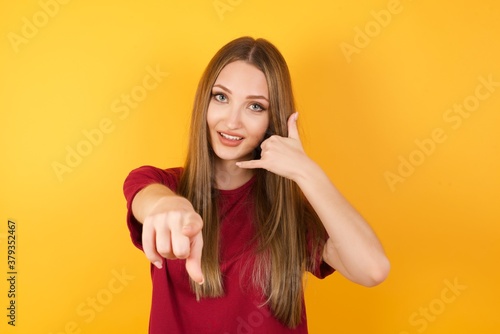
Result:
[{"x": 158, "y": 264}]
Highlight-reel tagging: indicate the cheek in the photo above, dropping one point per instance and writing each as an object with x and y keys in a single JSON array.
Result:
[
  {"x": 265, "y": 124},
  {"x": 260, "y": 128},
  {"x": 211, "y": 121}
]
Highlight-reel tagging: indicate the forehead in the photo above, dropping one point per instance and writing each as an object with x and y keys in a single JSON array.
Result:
[{"x": 242, "y": 77}]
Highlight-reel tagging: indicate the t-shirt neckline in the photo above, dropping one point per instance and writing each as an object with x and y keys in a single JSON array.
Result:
[{"x": 241, "y": 188}]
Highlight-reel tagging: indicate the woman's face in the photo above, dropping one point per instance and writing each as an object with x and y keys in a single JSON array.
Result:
[{"x": 238, "y": 114}]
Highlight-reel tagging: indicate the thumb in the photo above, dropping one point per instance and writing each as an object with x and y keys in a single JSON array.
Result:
[{"x": 293, "y": 132}]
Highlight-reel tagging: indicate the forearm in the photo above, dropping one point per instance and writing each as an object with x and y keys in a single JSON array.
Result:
[
  {"x": 154, "y": 198},
  {"x": 353, "y": 248}
]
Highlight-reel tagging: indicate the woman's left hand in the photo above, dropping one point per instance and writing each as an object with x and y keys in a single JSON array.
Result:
[{"x": 281, "y": 155}]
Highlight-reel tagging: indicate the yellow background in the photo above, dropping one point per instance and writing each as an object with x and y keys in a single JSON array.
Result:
[{"x": 360, "y": 113}]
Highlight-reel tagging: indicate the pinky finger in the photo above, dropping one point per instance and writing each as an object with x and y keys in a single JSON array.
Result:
[{"x": 251, "y": 164}]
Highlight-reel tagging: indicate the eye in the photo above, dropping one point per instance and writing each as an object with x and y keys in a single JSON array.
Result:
[
  {"x": 256, "y": 107},
  {"x": 219, "y": 97}
]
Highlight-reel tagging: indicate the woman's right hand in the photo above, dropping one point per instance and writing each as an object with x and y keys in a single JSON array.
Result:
[{"x": 173, "y": 230}]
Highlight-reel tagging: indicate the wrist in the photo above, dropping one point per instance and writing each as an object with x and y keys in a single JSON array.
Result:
[
  {"x": 308, "y": 169},
  {"x": 173, "y": 202}
]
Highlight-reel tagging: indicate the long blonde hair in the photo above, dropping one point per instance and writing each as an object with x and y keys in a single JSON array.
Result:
[{"x": 285, "y": 222}]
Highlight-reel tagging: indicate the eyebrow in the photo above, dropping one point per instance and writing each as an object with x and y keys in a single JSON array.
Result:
[{"x": 261, "y": 97}]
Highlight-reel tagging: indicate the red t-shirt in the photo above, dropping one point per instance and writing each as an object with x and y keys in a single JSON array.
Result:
[{"x": 174, "y": 307}]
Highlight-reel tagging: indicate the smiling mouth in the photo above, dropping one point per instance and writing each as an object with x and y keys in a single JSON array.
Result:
[{"x": 229, "y": 137}]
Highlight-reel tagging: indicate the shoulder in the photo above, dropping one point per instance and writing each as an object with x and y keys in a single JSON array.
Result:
[
  {"x": 144, "y": 175},
  {"x": 152, "y": 171}
]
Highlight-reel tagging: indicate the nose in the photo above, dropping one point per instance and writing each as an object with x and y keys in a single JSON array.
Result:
[{"x": 233, "y": 119}]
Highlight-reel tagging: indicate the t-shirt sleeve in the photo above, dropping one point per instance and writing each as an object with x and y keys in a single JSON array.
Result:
[
  {"x": 323, "y": 269},
  {"x": 137, "y": 180},
  {"x": 319, "y": 267}
]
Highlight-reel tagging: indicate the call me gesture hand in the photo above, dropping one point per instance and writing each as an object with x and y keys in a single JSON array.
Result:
[{"x": 283, "y": 156}]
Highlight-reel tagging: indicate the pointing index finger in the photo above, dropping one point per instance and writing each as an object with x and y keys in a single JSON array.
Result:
[{"x": 193, "y": 261}]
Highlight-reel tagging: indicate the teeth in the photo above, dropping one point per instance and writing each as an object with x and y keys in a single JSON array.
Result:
[{"x": 230, "y": 137}]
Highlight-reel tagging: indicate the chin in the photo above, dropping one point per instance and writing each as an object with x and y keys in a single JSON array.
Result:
[{"x": 227, "y": 156}]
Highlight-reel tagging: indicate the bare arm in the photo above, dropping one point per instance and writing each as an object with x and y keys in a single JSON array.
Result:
[
  {"x": 171, "y": 228},
  {"x": 352, "y": 249}
]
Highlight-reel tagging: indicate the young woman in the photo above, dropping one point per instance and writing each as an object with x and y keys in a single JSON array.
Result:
[{"x": 231, "y": 234}]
